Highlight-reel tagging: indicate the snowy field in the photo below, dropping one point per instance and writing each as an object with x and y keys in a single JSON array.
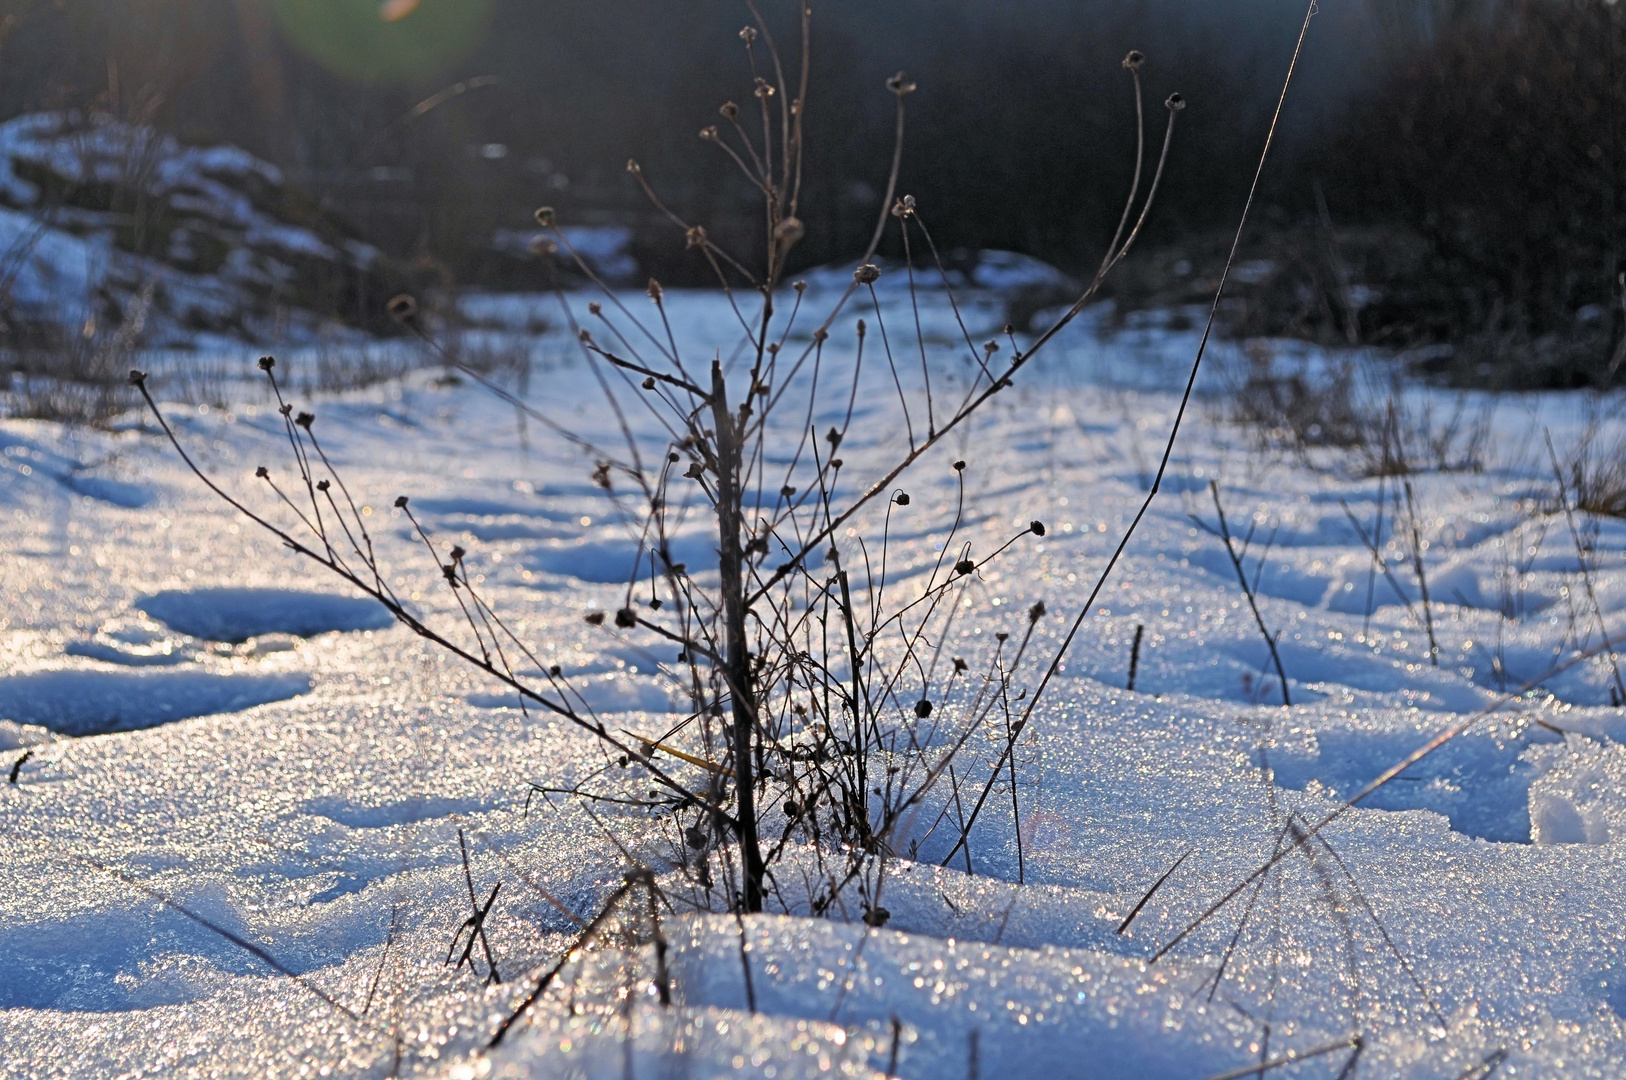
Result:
[{"x": 233, "y": 847}]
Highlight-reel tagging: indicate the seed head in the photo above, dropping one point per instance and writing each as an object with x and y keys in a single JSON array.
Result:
[
  {"x": 748, "y": 35},
  {"x": 137, "y": 377},
  {"x": 541, "y": 246},
  {"x": 400, "y": 502},
  {"x": 900, "y": 85},
  {"x": 649, "y": 382},
  {"x": 1134, "y": 60},
  {"x": 959, "y": 466},
  {"x": 1175, "y": 102},
  {"x": 544, "y": 216},
  {"x": 267, "y": 363},
  {"x": 1036, "y": 527},
  {"x": 902, "y": 498},
  {"x": 960, "y": 664},
  {"x": 695, "y": 236},
  {"x": 626, "y": 618},
  {"x": 305, "y": 420},
  {"x": 787, "y": 491},
  {"x": 322, "y": 485},
  {"x": 595, "y": 618},
  {"x": 555, "y": 671},
  {"x": 799, "y": 286},
  {"x": 923, "y": 708},
  {"x": 964, "y": 566},
  {"x": 594, "y": 307},
  {"x": 764, "y": 88},
  {"x": 402, "y": 308},
  {"x": 654, "y": 290},
  {"x": 730, "y": 110},
  {"x": 263, "y": 473},
  {"x": 709, "y": 133},
  {"x": 1036, "y": 612},
  {"x": 633, "y": 168},
  {"x": 867, "y": 274}
]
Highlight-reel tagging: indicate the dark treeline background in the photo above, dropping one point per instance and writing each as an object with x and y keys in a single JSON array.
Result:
[{"x": 1465, "y": 150}]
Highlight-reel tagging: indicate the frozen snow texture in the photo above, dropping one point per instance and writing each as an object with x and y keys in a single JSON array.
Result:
[
  {"x": 98, "y": 702},
  {"x": 235, "y": 615},
  {"x": 323, "y": 828}
]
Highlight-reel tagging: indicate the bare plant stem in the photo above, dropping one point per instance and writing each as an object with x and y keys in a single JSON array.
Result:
[{"x": 1247, "y": 591}]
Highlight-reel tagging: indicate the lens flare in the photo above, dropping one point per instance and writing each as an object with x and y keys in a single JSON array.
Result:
[{"x": 383, "y": 42}]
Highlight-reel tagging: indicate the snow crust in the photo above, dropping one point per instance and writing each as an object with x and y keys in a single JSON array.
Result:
[{"x": 210, "y": 721}]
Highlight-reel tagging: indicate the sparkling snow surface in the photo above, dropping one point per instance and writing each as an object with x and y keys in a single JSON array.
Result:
[{"x": 292, "y": 768}]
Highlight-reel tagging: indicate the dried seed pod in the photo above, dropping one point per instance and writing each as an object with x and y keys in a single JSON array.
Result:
[
  {"x": 595, "y": 618},
  {"x": 959, "y": 466},
  {"x": 748, "y": 35},
  {"x": 1175, "y": 102},
  {"x": 709, "y": 133},
  {"x": 654, "y": 290},
  {"x": 626, "y": 618},
  {"x": 902, "y": 498},
  {"x": 594, "y": 307},
  {"x": 267, "y": 363},
  {"x": 400, "y": 502},
  {"x": 137, "y": 377},
  {"x": 1037, "y": 527},
  {"x": 695, "y": 236},
  {"x": 544, "y": 216},
  {"x": 1134, "y": 60},
  {"x": 923, "y": 708},
  {"x": 730, "y": 110},
  {"x": 867, "y": 274},
  {"x": 263, "y": 473},
  {"x": 1036, "y": 612},
  {"x": 964, "y": 566},
  {"x": 402, "y": 308},
  {"x": 900, "y": 85},
  {"x": 305, "y": 420},
  {"x": 649, "y": 382}
]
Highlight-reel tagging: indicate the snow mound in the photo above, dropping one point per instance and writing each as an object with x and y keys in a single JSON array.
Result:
[
  {"x": 112, "y": 223},
  {"x": 100, "y": 702},
  {"x": 235, "y": 615}
]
